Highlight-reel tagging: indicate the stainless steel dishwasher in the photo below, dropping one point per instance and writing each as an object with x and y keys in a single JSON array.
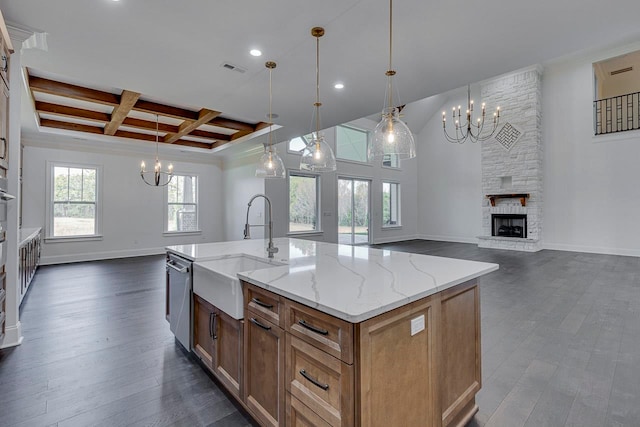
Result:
[{"x": 179, "y": 288}]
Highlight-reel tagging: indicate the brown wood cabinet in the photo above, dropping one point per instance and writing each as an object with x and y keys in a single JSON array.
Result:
[
  {"x": 417, "y": 365},
  {"x": 264, "y": 356},
  {"x": 217, "y": 341}
]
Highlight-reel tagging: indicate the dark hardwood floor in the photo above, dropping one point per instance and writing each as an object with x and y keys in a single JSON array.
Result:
[{"x": 560, "y": 340}]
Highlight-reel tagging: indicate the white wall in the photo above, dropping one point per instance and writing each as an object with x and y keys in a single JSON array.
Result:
[
  {"x": 592, "y": 196},
  {"x": 449, "y": 180},
  {"x": 240, "y": 184},
  {"x": 406, "y": 176},
  {"x": 132, "y": 212}
]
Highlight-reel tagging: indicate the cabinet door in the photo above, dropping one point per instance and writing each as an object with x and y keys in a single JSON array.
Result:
[
  {"x": 227, "y": 350},
  {"x": 203, "y": 330},
  {"x": 397, "y": 376},
  {"x": 264, "y": 369}
]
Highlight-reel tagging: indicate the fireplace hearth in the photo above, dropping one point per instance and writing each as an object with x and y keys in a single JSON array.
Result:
[{"x": 509, "y": 225}]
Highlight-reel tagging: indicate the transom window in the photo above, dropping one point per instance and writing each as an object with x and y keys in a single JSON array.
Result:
[
  {"x": 303, "y": 203},
  {"x": 74, "y": 201},
  {"x": 390, "y": 161},
  {"x": 297, "y": 144},
  {"x": 390, "y": 204},
  {"x": 182, "y": 204},
  {"x": 351, "y": 144}
]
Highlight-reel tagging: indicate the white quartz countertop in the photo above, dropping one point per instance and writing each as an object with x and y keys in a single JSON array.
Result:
[{"x": 353, "y": 283}]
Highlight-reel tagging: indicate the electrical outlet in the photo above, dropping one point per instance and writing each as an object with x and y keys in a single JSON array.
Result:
[{"x": 417, "y": 325}]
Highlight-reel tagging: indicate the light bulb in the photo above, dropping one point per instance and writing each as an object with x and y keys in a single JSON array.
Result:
[
  {"x": 391, "y": 137},
  {"x": 170, "y": 167},
  {"x": 142, "y": 166},
  {"x": 270, "y": 162},
  {"x": 317, "y": 154}
]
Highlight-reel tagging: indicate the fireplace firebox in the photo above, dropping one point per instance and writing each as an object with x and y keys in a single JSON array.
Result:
[{"x": 509, "y": 225}]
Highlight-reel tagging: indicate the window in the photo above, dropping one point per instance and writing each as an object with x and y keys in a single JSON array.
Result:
[
  {"x": 296, "y": 145},
  {"x": 351, "y": 144},
  {"x": 390, "y": 204},
  {"x": 182, "y": 204},
  {"x": 303, "y": 203},
  {"x": 73, "y": 211},
  {"x": 390, "y": 161},
  {"x": 616, "y": 100}
]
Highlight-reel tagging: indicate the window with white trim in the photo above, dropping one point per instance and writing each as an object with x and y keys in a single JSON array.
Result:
[
  {"x": 73, "y": 201},
  {"x": 297, "y": 144},
  {"x": 303, "y": 203},
  {"x": 390, "y": 204},
  {"x": 182, "y": 204},
  {"x": 390, "y": 161},
  {"x": 351, "y": 144}
]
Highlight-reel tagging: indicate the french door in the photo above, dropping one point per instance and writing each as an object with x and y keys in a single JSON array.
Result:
[{"x": 353, "y": 211}]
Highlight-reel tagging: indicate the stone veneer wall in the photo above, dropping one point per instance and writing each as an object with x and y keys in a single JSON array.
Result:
[{"x": 519, "y": 96}]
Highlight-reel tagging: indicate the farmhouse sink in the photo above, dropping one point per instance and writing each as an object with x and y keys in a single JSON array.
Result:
[{"x": 217, "y": 282}]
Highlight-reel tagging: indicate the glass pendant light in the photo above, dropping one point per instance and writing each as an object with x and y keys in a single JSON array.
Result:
[
  {"x": 391, "y": 136},
  {"x": 318, "y": 156},
  {"x": 270, "y": 164}
]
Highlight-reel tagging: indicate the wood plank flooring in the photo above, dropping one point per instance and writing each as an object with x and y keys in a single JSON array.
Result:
[{"x": 560, "y": 341}]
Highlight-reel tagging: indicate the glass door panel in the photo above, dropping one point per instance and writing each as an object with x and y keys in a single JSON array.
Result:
[{"x": 353, "y": 211}]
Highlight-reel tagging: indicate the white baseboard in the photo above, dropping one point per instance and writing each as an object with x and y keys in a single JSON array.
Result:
[
  {"x": 96, "y": 256},
  {"x": 12, "y": 336},
  {"x": 454, "y": 239},
  {"x": 591, "y": 249}
]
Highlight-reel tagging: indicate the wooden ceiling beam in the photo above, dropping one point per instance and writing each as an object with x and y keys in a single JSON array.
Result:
[
  {"x": 127, "y": 101},
  {"x": 210, "y": 135},
  {"x": 149, "y": 125},
  {"x": 195, "y": 144},
  {"x": 232, "y": 124},
  {"x": 165, "y": 110},
  {"x": 204, "y": 116},
  {"x": 97, "y": 130},
  {"x": 51, "y": 87},
  {"x": 76, "y": 113}
]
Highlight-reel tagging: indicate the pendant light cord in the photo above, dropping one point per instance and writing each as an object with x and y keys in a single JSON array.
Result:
[
  {"x": 157, "y": 119},
  {"x": 270, "y": 115},
  {"x": 317, "y": 104}
]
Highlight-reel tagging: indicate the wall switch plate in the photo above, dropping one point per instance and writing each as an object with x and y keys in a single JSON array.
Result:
[{"x": 417, "y": 325}]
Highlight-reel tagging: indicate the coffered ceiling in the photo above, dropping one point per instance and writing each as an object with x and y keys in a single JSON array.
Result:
[
  {"x": 173, "y": 51},
  {"x": 127, "y": 114}
]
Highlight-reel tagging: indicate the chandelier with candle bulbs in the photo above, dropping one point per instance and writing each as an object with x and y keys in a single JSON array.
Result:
[
  {"x": 469, "y": 130},
  {"x": 159, "y": 177}
]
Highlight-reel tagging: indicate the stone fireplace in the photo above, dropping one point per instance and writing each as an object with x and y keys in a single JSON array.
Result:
[{"x": 512, "y": 164}]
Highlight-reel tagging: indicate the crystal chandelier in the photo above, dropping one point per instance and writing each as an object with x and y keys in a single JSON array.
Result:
[
  {"x": 318, "y": 156},
  {"x": 469, "y": 130},
  {"x": 270, "y": 164},
  {"x": 160, "y": 178},
  {"x": 391, "y": 136}
]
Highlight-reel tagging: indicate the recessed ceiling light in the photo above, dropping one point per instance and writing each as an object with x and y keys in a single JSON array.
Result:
[
  {"x": 339, "y": 86},
  {"x": 255, "y": 52}
]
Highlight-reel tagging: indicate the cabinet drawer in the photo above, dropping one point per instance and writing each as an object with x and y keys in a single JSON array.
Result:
[
  {"x": 328, "y": 333},
  {"x": 264, "y": 303},
  {"x": 298, "y": 415},
  {"x": 320, "y": 381}
]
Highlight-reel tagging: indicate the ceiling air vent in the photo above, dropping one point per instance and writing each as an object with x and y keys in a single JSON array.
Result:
[
  {"x": 621, "y": 70},
  {"x": 231, "y": 67}
]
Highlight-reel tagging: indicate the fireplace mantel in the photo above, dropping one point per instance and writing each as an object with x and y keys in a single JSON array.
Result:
[{"x": 522, "y": 196}]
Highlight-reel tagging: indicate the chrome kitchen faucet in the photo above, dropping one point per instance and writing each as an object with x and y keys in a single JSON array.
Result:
[{"x": 271, "y": 249}]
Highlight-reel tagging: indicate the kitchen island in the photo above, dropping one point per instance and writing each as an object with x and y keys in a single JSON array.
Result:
[{"x": 344, "y": 335}]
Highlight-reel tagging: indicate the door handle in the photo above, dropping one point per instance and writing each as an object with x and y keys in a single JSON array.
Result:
[
  {"x": 170, "y": 264},
  {"x": 255, "y": 322}
]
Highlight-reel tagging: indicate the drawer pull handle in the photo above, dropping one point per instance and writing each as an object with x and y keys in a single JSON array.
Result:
[
  {"x": 255, "y": 322},
  {"x": 261, "y": 304},
  {"x": 313, "y": 380},
  {"x": 313, "y": 328},
  {"x": 5, "y": 65},
  {"x": 212, "y": 325}
]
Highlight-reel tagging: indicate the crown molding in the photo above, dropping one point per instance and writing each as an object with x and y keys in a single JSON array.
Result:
[{"x": 19, "y": 33}]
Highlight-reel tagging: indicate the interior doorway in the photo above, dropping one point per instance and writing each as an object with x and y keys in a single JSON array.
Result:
[{"x": 353, "y": 211}]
